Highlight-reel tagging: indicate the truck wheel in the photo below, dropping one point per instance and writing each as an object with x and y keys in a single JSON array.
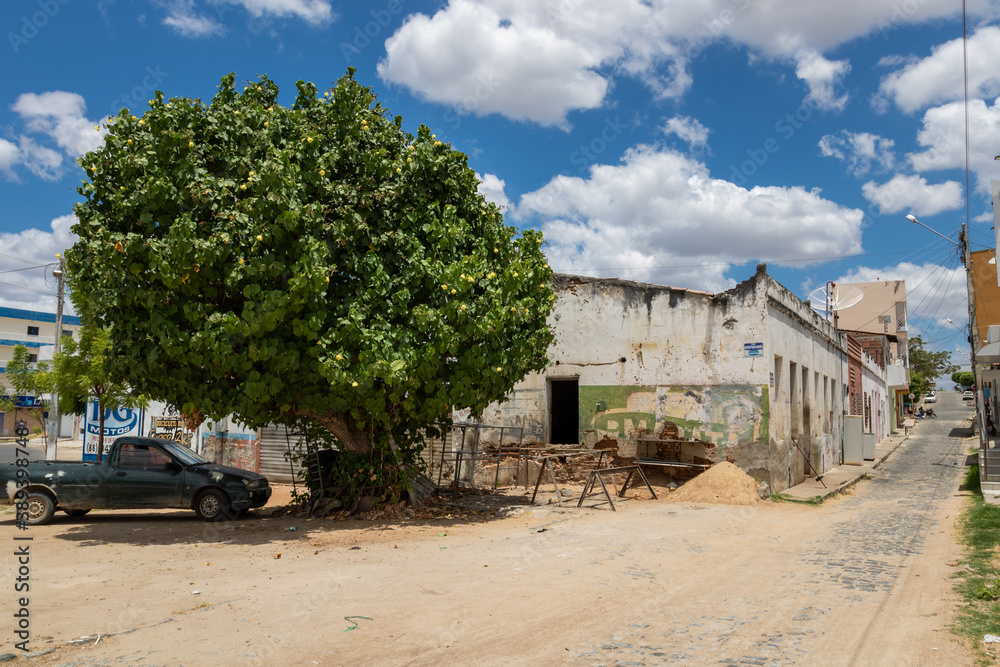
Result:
[
  {"x": 40, "y": 508},
  {"x": 75, "y": 513},
  {"x": 213, "y": 505}
]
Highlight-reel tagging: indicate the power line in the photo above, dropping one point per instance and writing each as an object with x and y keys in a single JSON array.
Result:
[
  {"x": 27, "y": 289},
  {"x": 27, "y": 268}
]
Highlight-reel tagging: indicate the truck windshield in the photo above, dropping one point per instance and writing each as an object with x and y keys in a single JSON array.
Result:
[{"x": 183, "y": 454}]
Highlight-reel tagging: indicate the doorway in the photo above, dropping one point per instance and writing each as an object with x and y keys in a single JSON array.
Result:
[{"x": 564, "y": 411}]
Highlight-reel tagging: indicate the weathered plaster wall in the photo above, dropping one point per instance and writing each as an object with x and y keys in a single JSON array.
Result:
[
  {"x": 644, "y": 355},
  {"x": 807, "y": 359},
  {"x": 650, "y": 354}
]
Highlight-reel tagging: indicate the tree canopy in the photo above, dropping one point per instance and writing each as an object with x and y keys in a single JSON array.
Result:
[
  {"x": 931, "y": 365},
  {"x": 926, "y": 366},
  {"x": 963, "y": 378},
  {"x": 312, "y": 262}
]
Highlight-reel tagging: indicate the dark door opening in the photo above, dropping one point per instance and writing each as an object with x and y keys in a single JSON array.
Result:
[{"x": 564, "y": 412}]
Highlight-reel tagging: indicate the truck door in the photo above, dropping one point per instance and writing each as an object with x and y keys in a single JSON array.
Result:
[{"x": 145, "y": 478}]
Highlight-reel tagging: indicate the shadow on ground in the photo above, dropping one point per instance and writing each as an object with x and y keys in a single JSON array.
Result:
[{"x": 167, "y": 527}]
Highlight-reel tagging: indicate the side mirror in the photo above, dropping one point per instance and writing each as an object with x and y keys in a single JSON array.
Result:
[{"x": 173, "y": 466}]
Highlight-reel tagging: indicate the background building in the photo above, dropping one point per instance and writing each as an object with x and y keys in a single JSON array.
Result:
[{"x": 35, "y": 330}]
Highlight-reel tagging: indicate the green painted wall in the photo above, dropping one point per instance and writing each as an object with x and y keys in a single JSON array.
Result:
[{"x": 719, "y": 414}]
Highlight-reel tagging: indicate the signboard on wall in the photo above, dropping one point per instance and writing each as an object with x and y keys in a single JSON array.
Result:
[
  {"x": 118, "y": 422},
  {"x": 170, "y": 428},
  {"x": 753, "y": 349}
]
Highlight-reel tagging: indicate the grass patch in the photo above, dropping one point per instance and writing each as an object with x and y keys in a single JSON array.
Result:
[
  {"x": 978, "y": 576},
  {"x": 784, "y": 498}
]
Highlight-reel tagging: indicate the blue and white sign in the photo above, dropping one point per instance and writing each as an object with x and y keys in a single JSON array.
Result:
[
  {"x": 753, "y": 349},
  {"x": 118, "y": 422}
]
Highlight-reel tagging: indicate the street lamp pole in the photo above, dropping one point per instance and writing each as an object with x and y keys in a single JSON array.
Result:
[{"x": 52, "y": 435}]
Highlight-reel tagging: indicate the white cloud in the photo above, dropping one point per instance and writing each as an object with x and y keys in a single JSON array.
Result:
[
  {"x": 492, "y": 187},
  {"x": 10, "y": 155},
  {"x": 942, "y": 137},
  {"x": 862, "y": 151},
  {"x": 40, "y": 160},
  {"x": 913, "y": 193},
  {"x": 58, "y": 117},
  {"x": 188, "y": 22},
  {"x": 315, "y": 12},
  {"x": 464, "y": 56},
  {"x": 185, "y": 17},
  {"x": 938, "y": 77},
  {"x": 822, "y": 77},
  {"x": 551, "y": 57},
  {"x": 688, "y": 129},
  {"x": 660, "y": 216},
  {"x": 34, "y": 289}
]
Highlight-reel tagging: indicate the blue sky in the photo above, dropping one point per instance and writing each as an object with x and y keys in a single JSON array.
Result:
[{"x": 660, "y": 140}]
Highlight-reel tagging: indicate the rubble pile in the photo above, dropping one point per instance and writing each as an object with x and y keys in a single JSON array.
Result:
[{"x": 722, "y": 483}]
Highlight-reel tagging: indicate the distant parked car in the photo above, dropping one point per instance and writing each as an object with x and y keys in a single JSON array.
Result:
[
  {"x": 930, "y": 398},
  {"x": 968, "y": 396}
]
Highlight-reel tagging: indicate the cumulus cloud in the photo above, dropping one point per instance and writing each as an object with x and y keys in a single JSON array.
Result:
[
  {"x": 660, "y": 216},
  {"x": 915, "y": 194},
  {"x": 55, "y": 117},
  {"x": 34, "y": 289},
  {"x": 552, "y": 57},
  {"x": 492, "y": 187},
  {"x": 688, "y": 129},
  {"x": 937, "y": 78},
  {"x": 822, "y": 77},
  {"x": 526, "y": 71},
  {"x": 41, "y": 161},
  {"x": 60, "y": 115},
  {"x": 862, "y": 151},
  {"x": 942, "y": 138}
]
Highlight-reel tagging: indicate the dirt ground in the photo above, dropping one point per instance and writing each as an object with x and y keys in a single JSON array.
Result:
[{"x": 479, "y": 579}]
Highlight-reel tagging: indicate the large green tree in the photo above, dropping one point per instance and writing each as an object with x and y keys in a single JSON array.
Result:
[{"x": 312, "y": 263}]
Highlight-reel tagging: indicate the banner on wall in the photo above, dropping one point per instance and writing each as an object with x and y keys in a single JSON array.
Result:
[{"x": 118, "y": 422}]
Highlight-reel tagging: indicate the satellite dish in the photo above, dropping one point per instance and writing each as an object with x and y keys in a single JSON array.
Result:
[{"x": 831, "y": 298}]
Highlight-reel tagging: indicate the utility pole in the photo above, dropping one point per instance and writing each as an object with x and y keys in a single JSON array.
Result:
[{"x": 52, "y": 434}]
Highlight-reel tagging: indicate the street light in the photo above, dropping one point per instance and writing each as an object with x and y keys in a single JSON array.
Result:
[
  {"x": 52, "y": 434},
  {"x": 912, "y": 218}
]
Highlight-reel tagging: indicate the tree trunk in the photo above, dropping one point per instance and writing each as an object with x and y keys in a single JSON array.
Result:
[
  {"x": 100, "y": 435},
  {"x": 343, "y": 428}
]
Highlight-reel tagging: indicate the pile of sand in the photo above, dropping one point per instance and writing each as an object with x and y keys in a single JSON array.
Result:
[{"x": 722, "y": 483}]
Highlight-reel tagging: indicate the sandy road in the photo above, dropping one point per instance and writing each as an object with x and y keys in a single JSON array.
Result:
[{"x": 861, "y": 580}]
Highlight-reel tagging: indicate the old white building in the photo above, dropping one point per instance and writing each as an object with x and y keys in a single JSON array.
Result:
[{"x": 744, "y": 373}]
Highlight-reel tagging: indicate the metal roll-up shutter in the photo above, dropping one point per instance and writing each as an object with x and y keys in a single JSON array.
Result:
[{"x": 275, "y": 441}]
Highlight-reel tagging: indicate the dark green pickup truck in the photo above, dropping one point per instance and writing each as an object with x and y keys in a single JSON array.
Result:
[{"x": 137, "y": 473}]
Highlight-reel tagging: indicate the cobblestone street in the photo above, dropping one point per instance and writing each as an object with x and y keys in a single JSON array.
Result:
[{"x": 862, "y": 547}]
